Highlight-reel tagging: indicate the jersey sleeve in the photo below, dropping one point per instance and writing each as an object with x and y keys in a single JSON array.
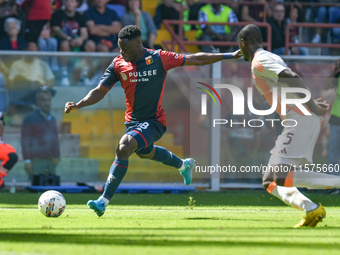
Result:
[
  {"x": 266, "y": 67},
  {"x": 171, "y": 59},
  {"x": 110, "y": 76}
]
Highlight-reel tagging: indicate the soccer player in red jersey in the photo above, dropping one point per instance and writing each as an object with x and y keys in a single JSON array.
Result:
[
  {"x": 8, "y": 155},
  {"x": 142, "y": 74}
]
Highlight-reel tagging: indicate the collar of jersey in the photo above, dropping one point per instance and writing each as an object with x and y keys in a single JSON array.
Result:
[{"x": 145, "y": 50}]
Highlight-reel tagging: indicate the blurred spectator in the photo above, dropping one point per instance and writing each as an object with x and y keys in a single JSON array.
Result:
[
  {"x": 82, "y": 7},
  {"x": 45, "y": 41},
  {"x": 216, "y": 13},
  {"x": 335, "y": 18},
  {"x": 39, "y": 13},
  {"x": 278, "y": 24},
  {"x": 25, "y": 76},
  {"x": 253, "y": 13},
  {"x": 12, "y": 40},
  {"x": 333, "y": 145},
  {"x": 296, "y": 16},
  {"x": 322, "y": 14},
  {"x": 135, "y": 16},
  {"x": 39, "y": 137},
  {"x": 69, "y": 26},
  {"x": 6, "y": 10},
  {"x": 48, "y": 43},
  {"x": 56, "y": 5},
  {"x": 121, "y": 2},
  {"x": 103, "y": 26},
  {"x": 170, "y": 9},
  {"x": 333, "y": 152}
]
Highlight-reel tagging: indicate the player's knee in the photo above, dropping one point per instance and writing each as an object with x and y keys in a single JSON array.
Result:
[{"x": 124, "y": 150}]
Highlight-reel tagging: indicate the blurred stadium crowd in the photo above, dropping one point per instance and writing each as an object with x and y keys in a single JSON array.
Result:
[{"x": 53, "y": 33}]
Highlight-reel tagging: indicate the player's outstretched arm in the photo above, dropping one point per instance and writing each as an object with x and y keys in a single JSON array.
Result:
[
  {"x": 291, "y": 78},
  {"x": 94, "y": 96},
  {"x": 202, "y": 58}
]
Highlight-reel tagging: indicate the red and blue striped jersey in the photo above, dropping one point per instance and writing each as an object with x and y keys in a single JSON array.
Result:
[{"x": 143, "y": 82}]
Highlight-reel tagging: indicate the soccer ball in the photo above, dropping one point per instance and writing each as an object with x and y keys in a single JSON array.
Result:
[{"x": 52, "y": 203}]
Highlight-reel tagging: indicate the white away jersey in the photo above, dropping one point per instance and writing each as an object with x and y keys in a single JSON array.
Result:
[{"x": 266, "y": 67}]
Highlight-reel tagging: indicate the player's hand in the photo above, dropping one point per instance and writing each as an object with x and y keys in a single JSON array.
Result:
[
  {"x": 237, "y": 54},
  {"x": 70, "y": 106},
  {"x": 321, "y": 107}
]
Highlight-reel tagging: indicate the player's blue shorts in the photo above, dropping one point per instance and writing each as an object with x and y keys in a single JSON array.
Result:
[{"x": 146, "y": 133}]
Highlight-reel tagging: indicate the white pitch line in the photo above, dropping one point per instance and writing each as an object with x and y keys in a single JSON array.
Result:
[{"x": 171, "y": 210}]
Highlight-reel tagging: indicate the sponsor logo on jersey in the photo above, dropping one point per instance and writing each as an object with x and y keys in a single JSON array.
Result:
[
  {"x": 143, "y": 73},
  {"x": 124, "y": 77},
  {"x": 149, "y": 60}
]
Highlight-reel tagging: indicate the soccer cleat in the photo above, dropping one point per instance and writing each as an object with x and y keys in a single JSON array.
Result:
[
  {"x": 312, "y": 218},
  {"x": 189, "y": 164},
  {"x": 98, "y": 206}
]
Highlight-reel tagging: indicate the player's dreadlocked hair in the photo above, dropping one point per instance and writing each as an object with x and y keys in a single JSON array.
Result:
[
  {"x": 251, "y": 33},
  {"x": 129, "y": 32}
]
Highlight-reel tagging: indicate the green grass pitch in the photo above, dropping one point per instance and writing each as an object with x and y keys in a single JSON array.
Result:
[{"x": 229, "y": 222}]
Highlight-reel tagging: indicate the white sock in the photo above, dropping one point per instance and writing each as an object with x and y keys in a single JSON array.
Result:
[
  {"x": 106, "y": 201},
  {"x": 292, "y": 196},
  {"x": 182, "y": 167},
  {"x": 314, "y": 180}
]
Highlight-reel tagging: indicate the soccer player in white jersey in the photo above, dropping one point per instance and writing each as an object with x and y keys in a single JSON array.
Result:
[{"x": 295, "y": 146}]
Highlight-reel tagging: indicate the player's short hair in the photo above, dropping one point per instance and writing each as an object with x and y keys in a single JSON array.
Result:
[
  {"x": 251, "y": 33},
  {"x": 130, "y": 32}
]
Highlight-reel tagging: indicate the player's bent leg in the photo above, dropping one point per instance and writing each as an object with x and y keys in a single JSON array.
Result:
[
  {"x": 162, "y": 155},
  {"x": 293, "y": 197},
  {"x": 313, "y": 180},
  {"x": 126, "y": 147}
]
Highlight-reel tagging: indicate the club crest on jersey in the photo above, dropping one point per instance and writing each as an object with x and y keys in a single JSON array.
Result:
[
  {"x": 148, "y": 60},
  {"x": 123, "y": 76}
]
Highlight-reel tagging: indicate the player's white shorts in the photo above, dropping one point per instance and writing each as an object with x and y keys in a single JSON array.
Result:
[{"x": 298, "y": 141}]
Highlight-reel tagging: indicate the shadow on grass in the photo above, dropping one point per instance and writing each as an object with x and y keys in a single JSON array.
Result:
[{"x": 153, "y": 240}]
